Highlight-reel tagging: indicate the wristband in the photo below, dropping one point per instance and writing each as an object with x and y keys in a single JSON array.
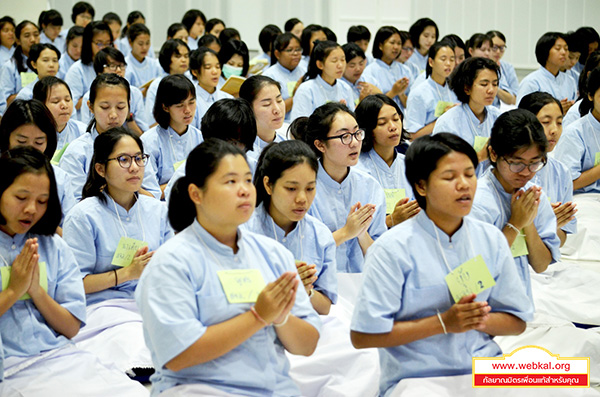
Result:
[
  {"x": 442, "y": 322},
  {"x": 283, "y": 322},
  {"x": 258, "y": 317},
  {"x": 116, "y": 277},
  {"x": 513, "y": 227},
  {"x": 311, "y": 293}
]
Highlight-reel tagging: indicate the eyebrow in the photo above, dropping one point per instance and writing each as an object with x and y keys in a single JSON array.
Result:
[
  {"x": 385, "y": 118},
  {"x": 28, "y": 192},
  {"x": 235, "y": 174},
  {"x": 346, "y": 129}
]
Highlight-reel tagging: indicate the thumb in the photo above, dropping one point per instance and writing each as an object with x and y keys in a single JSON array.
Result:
[{"x": 467, "y": 298}]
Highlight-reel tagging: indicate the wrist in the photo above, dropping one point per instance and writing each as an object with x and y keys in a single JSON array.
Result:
[{"x": 515, "y": 226}]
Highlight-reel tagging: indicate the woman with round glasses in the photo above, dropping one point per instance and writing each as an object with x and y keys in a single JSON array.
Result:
[
  {"x": 509, "y": 83},
  {"x": 113, "y": 233},
  {"x": 507, "y": 198},
  {"x": 350, "y": 202}
]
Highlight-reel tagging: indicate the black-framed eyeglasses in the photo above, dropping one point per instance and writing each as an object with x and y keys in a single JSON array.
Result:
[
  {"x": 500, "y": 48},
  {"x": 408, "y": 49},
  {"x": 346, "y": 138},
  {"x": 113, "y": 67},
  {"x": 125, "y": 160},
  {"x": 517, "y": 167},
  {"x": 101, "y": 44},
  {"x": 293, "y": 50}
]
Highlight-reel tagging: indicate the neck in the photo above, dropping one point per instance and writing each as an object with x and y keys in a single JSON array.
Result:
[
  {"x": 423, "y": 51},
  {"x": 596, "y": 114},
  {"x": 478, "y": 111},
  {"x": 61, "y": 128},
  {"x": 553, "y": 69},
  {"x": 328, "y": 79},
  {"x": 180, "y": 129},
  {"x": 226, "y": 235},
  {"x": 386, "y": 60},
  {"x": 208, "y": 89},
  {"x": 285, "y": 223},
  {"x": 267, "y": 135},
  {"x": 385, "y": 152},
  {"x": 507, "y": 188},
  {"x": 440, "y": 79},
  {"x": 138, "y": 58},
  {"x": 124, "y": 199},
  {"x": 448, "y": 224},
  {"x": 6, "y": 231},
  {"x": 24, "y": 52},
  {"x": 337, "y": 172},
  {"x": 353, "y": 81}
]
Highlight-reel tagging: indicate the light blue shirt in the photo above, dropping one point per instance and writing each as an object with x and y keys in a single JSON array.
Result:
[
  {"x": 355, "y": 89},
  {"x": 461, "y": 121},
  {"x": 404, "y": 280},
  {"x": 139, "y": 73},
  {"x": 316, "y": 92},
  {"x": 422, "y": 101},
  {"x": 59, "y": 42},
  {"x": 393, "y": 177},
  {"x": 167, "y": 148},
  {"x": 23, "y": 329},
  {"x": 492, "y": 205},
  {"x": 151, "y": 96},
  {"x": 508, "y": 81},
  {"x": 125, "y": 48},
  {"x": 65, "y": 191},
  {"x": 573, "y": 114},
  {"x": 284, "y": 77},
  {"x": 192, "y": 43},
  {"x": 204, "y": 100},
  {"x": 80, "y": 78},
  {"x": 76, "y": 162},
  {"x": 555, "y": 180},
  {"x": 64, "y": 64},
  {"x": 417, "y": 79},
  {"x": 180, "y": 296},
  {"x": 577, "y": 149},
  {"x": 136, "y": 106},
  {"x": 259, "y": 144},
  {"x": 303, "y": 64},
  {"x": 73, "y": 130},
  {"x": 419, "y": 61},
  {"x": 384, "y": 76},
  {"x": 332, "y": 206},
  {"x": 560, "y": 86},
  {"x": 10, "y": 81},
  {"x": 6, "y": 54},
  {"x": 310, "y": 241},
  {"x": 26, "y": 93},
  {"x": 93, "y": 230}
]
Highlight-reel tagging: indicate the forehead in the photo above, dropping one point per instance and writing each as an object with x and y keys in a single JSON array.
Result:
[
  {"x": 36, "y": 183},
  {"x": 453, "y": 161},
  {"x": 337, "y": 52},
  {"x": 268, "y": 91},
  {"x": 550, "y": 109},
  {"x": 58, "y": 90},
  {"x": 126, "y": 145},
  {"x": 342, "y": 120},
  {"x": 111, "y": 92},
  {"x": 29, "y": 130},
  {"x": 101, "y": 34},
  {"x": 485, "y": 74},
  {"x": 231, "y": 164},
  {"x": 47, "y": 52},
  {"x": 527, "y": 153}
]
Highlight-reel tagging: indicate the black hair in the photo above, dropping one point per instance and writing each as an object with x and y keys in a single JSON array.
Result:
[
  {"x": 197, "y": 60},
  {"x": 320, "y": 52},
  {"x": 89, "y": 32},
  {"x": 211, "y": 23},
  {"x": 477, "y": 41},
  {"x": 535, "y": 101},
  {"x": 208, "y": 39},
  {"x": 330, "y": 34},
  {"x": 172, "y": 89},
  {"x": 82, "y": 7},
  {"x": 36, "y": 50},
  {"x": 190, "y": 17},
  {"x": 515, "y": 130},
  {"x": 201, "y": 163},
  {"x": 229, "y": 34},
  {"x": 110, "y": 17},
  {"x": 290, "y": 23},
  {"x": 252, "y": 86},
  {"x": 433, "y": 50},
  {"x": 131, "y": 18},
  {"x": 229, "y": 49},
  {"x": 417, "y": 29},
  {"x": 496, "y": 33},
  {"x": 575, "y": 43},
  {"x": 18, "y": 53},
  {"x": 50, "y": 17},
  {"x": 588, "y": 35},
  {"x": 357, "y": 33},
  {"x": 31, "y": 112},
  {"x": 104, "y": 145},
  {"x": 107, "y": 80},
  {"x": 456, "y": 40},
  {"x": 297, "y": 128},
  {"x": 6, "y": 19},
  {"x": 592, "y": 63},
  {"x": 424, "y": 154},
  {"x": 464, "y": 75},
  {"x": 306, "y": 36},
  {"x": 22, "y": 160},
  {"x": 367, "y": 113},
  {"x": 168, "y": 49},
  {"x": 73, "y": 33},
  {"x": 230, "y": 120},
  {"x": 352, "y": 50},
  {"x": 545, "y": 44},
  {"x": 266, "y": 37},
  {"x": 174, "y": 28},
  {"x": 136, "y": 30},
  {"x": 593, "y": 85},
  {"x": 275, "y": 159},
  {"x": 102, "y": 56},
  {"x": 280, "y": 43},
  {"x": 319, "y": 123},
  {"x": 383, "y": 33},
  {"x": 404, "y": 36},
  {"x": 41, "y": 89}
]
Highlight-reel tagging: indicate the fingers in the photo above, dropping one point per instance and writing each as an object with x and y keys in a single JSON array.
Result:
[
  {"x": 467, "y": 299},
  {"x": 141, "y": 251}
]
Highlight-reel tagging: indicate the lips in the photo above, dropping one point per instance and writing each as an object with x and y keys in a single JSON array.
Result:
[
  {"x": 245, "y": 206},
  {"x": 25, "y": 223},
  {"x": 299, "y": 211}
]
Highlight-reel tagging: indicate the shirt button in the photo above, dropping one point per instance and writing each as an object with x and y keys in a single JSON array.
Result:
[
  {"x": 128, "y": 219},
  {"x": 14, "y": 247},
  {"x": 451, "y": 246},
  {"x": 236, "y": 259},
  {"x": 284, "y": 239}
]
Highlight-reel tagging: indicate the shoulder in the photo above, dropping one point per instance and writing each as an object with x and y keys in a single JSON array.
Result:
[
  {"x": 150, "y": 136},
  {"x": 88, "y": 208},
  {"x": 152, "y": 205}
]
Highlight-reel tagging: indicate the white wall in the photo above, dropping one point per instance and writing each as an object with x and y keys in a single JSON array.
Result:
[{"x": 522, "y": 21}]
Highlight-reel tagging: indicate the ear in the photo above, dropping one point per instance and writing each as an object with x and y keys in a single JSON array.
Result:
[
  {"x": 591, "y": 98},
  {"x": 430, "y": 62},
  {"x": 492, "y": 154},
  {"x": 100, "y": 169},
  {"x": 195, "y": 194},
  {"x": 421, "y": 188},
  {"x": 267, "y": 185},
  {"x": 320, "y": 65},
  {"x": 467, "y": 90},
  {"x": 277, "y": 54},
  {"x": 320, "y": 145},
  {"x": 89, "y": 105},
  {"x": 194, "y": 73},
  {"x": 470, "y": 51},
  {"x": 165, "y": 109}
]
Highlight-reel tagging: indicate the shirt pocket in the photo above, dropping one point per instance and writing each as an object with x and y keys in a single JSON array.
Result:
[
  {"x": 423, "y": 302},
  {"x": 214, "y": 309}
]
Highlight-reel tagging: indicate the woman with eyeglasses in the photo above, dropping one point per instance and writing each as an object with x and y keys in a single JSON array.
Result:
[
  {"x": 509, "y": 83},
  {"x": 96, "y": 36},
  {"x": 113, "y": 233},
  {"x": 350, "y": 202},
  {"x": 508, "y": 199}
]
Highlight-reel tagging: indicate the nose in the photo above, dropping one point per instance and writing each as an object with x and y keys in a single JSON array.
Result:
[
  {"x": 30, "y": 208},
  {"x": 301, "y": 196}
]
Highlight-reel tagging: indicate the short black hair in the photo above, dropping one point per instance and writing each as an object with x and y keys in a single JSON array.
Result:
[
  {"x": 588, "y": 36},
  {"x": 496, "y": 33},
  {"x": 18, "y": 55},
  {"x": 535, "y": 101},
  {"x": 132, "y": 17},
  {"x": 167, "y": 50},
  {"x": 290, "y": 23},
  {"x": 433, "y": 50},
  {"x": 41, "y": 89},
  {"x": 352, "y": 50},
  {"x": 110, "y": 17},
  {"x": 190, "y": 17},
  {"x": 252, "y": 86},
  {"x": 319, "y": 123},
  {"x": 81, "y": 7},
  {"x": 35, "y": 52},
  {"x": 545, "y": 44},
  {"x": 592, "y": 86},
  {"x": 367, "y": 113},
  {"x": 22, "y": 160},
  {"x": 174, "y": 28},
  {"x": 306, "y": 36},
  {"x": 172, "y": 89},
  {"x": 73, "y": 33},
  {"x": 50, "y": 17},
  {"x": 229, "y": 34},
  {"x": 320, "y": 52},
  {"x": 477, "y": 41},
  {"x": 456, "y": 40},
  {"x": 266, "y": 37},
  {"x": 102, "y": 56},
  {"x": 89, "y": 31},
  {"x": 357, "y": 33},
  {"x": 107, "y": 80},
  {"x": 383, "y": 33},
  {"x": 208, "y": 39},
  {"x": 593, "y": 61},
  {"x": 465, "y": 74},
  {"x": 424, "y": 154},
  {"x": 232, "y": 47},
  {"x": 281, "y": 42},
  {"x": 230, "y": 120},
  {"x": 136, "y": 30},
  {"x": 197, "y": 59},
  {"x": 418, "y": 27},
  {"x": 211, "y": 23},
  {"x": 330, "y": 34}
]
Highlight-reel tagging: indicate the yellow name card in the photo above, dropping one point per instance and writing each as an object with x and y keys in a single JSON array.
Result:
[
  {"x": 480, "y": 142},
  {"x": 178, "y": 164},
  {"x": 519, "y": 246},
  {"x": 471, "y": 277},
  {"x": 5, "y": 272},
  {"x": 126, "y": 251},
  {"x": 241, "y": 285},
  {"x": 392, "y": 196},
  {"x": 440, "y": 108}
]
